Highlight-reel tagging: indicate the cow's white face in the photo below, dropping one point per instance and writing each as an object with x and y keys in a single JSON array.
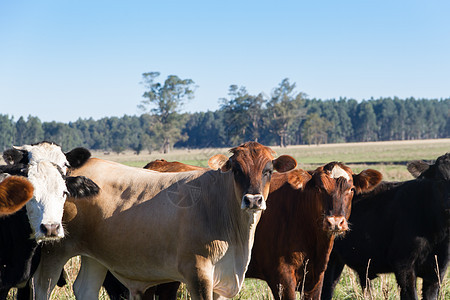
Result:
[
  {"x": 45, "y": 209},
  {"x": 46, "y": 171}
]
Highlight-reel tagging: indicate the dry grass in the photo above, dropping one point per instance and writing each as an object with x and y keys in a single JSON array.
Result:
[{"x": 355, "y": 154}]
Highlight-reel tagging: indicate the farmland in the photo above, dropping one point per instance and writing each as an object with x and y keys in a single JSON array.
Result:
[{"x": 387, "y": 157}]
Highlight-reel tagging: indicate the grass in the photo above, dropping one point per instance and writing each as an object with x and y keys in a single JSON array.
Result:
[{"x": 380, "y": 155}]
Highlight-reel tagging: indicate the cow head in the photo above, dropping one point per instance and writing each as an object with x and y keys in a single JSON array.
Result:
[
  {"x": 440, "y": 170},
  {"x": 337, "y": 185},
  {"x": 47, "y": 168},
  {"x": 252, "y": 165},
  {"x": 15, "y": 191}
]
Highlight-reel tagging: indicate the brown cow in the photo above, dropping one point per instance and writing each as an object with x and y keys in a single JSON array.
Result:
[
  {"x": 15, "y": 191},
  {"x": 149, "y": 228},
  {"x": 297, "y": 231},
  {"x": 303, "y": 240},
  {"x": 162, "y": 165}
]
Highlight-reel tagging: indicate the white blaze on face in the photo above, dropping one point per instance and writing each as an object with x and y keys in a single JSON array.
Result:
[
  {"x": 339, "y": 172},
  {"x": 45, "y": 209}
]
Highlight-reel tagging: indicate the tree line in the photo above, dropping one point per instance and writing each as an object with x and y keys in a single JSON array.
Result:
[{"x": 286, "y": 117}]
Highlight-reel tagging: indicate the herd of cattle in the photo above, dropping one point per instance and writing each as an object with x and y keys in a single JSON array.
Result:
[{"x": 140, "y": 232}]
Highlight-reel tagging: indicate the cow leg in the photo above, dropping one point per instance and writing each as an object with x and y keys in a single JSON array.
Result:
[
  {"x": 430, "y": 289},
  {"x": 198, "y": 278},
  {"x": 285, "y": 287},
  {"x": 332, "y": 276},
  {"x": 48, "y": 272},
  {"x": 90, "y": 278},
  {"x": 4, "y": 293},
  {"x": 289, "y": 284},
  {"x": 406, "y": 279},
  {"x": 24, "y": 293},
  {"x": 166, "y": 291}
]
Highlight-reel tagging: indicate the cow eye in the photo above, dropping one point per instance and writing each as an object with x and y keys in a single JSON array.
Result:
[
  {"x": 267, "y": 172},
  {"x": 66, "y": 194}
]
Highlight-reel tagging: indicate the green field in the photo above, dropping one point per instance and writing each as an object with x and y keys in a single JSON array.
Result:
[{"x": 381, "y": 156}]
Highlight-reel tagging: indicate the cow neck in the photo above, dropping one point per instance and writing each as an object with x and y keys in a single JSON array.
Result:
[
  {"x": 319, "y": 241},
  {"x": 235, "y": 225},
  {"x": 238, "y": 229}
]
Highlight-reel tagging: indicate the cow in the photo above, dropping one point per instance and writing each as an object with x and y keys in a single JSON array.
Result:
[
  {"x": 400, "y": 228},
  {"x": 162, "y": 165},
  {"x": 20, "y": 252},
  {"x": 46, "y": 166},
  {"x": 314, "y": 208},
  {"x": 149, "y": 228}
]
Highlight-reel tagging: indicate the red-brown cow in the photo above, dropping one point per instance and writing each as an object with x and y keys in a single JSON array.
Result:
[
  {"x": 162, "y": 165},
  {"x": 296, "y": 233}
]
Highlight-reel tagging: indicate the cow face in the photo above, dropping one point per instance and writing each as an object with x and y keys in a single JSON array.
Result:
[
  {"x": 338, "y": 185},
  {"x": 252, "y": 165},
  {"x": 47, "y": 168}
]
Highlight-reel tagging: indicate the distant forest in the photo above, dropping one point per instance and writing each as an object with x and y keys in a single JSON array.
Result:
[{"x": 284, "y": 121}]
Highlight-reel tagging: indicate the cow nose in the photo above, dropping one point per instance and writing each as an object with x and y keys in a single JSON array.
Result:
[
  {"x": 336, "y": 224},
  {"x": 251, "y": 201},
  {"x": 50, "y": 229}
]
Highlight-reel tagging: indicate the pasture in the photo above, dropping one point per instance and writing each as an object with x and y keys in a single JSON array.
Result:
[{"x": 387, "y": 157}]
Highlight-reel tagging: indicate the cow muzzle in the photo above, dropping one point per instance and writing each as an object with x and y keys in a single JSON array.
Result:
[
  {"x": 51, "y": 231},
  {"x": 253, "y": 202},
  {"x": 335, "y": 225}
]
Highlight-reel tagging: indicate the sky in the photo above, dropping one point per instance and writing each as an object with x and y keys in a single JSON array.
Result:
[{"x": 65, "y": 60}]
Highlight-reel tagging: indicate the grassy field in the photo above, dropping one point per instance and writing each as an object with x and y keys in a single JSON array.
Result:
[{"x": 387, "y": 157}]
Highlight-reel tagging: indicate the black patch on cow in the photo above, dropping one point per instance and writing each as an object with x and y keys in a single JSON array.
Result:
[
  {"x": 16, "y": 169},
  {"x": 15, "y": 156},
  {"x": 77, "y": 157},
  {"x": 81, "y": 186}
]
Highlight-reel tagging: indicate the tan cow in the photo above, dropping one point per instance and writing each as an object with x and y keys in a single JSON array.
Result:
[{"x": 149, "y": 228}]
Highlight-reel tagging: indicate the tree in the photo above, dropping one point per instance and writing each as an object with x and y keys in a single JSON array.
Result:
[
  {"x": 34, "y": 132},
  {"x": 7, "y": 132},
  {"x": 315, "y": 129},
  {"x": 366, "y": 123},
  {"x": 283, "y": 107},
  {"x": 242, "y": 115},
  {"x": 166, "y": 100}
]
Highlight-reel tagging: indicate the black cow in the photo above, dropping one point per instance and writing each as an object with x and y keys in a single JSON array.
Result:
[
  {"x": 19, "y": 251},
  {"x": 402, "y": 228}
]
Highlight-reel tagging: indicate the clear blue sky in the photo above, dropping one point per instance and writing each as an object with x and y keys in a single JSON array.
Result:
[{"x": 61, "y": 60}]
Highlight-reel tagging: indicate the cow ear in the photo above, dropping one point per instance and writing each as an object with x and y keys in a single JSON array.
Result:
[
  {"x": 284, "y": 163},
  {"x": 15, "y": 156},
  {"x": 77, "y": 157},
  {"x": 15, "y": 191},
  {"x": 81, "y": 186},
  {"x": 367, "y": 180},
  {"x": 217, "y": 161},
  {"x": 298, "y": 178},
  {"x": 417, "y": 167}
]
